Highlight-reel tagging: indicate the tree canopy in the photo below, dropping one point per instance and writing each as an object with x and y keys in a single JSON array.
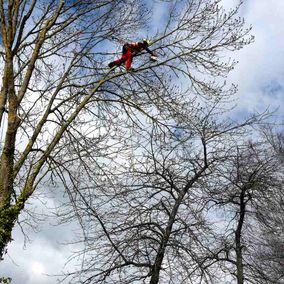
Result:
[{"x": 149, "y": 159}]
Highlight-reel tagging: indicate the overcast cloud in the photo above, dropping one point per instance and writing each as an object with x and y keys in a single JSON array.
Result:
[
  {"x": 260, "y": 78},
  {"x": 259, "y": 73}
]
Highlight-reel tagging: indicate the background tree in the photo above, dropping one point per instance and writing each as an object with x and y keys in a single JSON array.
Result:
[
  {"x": 270, "y": 216},
  {"x": 153, "y": 220},
  {"x": 247, "y": 183}
]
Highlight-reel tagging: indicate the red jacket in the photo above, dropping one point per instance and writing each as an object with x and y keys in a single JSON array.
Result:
[{"x": 136, "y": 47}]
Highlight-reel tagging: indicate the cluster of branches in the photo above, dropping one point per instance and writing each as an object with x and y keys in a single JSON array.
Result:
[
  {"x": 149, "y": 165},
  {"x": 50, "y": 73},
  {"x": 188, "y": 208}
]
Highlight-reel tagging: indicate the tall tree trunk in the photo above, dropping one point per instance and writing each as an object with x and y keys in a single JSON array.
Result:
[
  {"x": 155, "y": 273},
  {"x": 155, "y": 276},
  {"x": 238, "y": 235},
  {"x": 8, "y": 217},
  {"x": 8, "y": 214}
]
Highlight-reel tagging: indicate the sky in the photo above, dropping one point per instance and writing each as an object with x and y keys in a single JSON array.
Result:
[
  {"x": 260, "y": 79},
  {"x": 260, "y": 73}
]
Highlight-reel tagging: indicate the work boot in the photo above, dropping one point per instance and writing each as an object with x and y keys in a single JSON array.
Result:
[{"x": 111, "y": 64}]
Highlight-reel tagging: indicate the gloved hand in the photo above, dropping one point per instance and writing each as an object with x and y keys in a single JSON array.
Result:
[{"x": 153, "y": 58}]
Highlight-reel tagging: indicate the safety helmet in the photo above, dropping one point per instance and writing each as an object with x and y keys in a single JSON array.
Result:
[{"x": 147, "y": 41}]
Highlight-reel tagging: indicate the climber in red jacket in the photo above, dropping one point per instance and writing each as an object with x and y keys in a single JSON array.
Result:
[{"x": 131, "y": 49}]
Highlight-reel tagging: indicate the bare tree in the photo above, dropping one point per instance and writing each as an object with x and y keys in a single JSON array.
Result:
[
  {"x": 150, "y": 221},
  {"x": 50, "y": 72},
  {"x": 247, "y": 180},
  {"x": 67, "y": 112},
  {"x": 270, "y": 217}
]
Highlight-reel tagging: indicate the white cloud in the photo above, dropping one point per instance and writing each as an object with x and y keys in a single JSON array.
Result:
[
  {"x": 37, "y": 268},
  {"x": 261, "y": 64},
  {"x": 44, "y": 256},
  {"x": 31, "y": 265}
]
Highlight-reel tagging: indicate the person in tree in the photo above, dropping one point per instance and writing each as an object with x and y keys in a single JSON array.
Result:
[{"x": 131, "y": 49}]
